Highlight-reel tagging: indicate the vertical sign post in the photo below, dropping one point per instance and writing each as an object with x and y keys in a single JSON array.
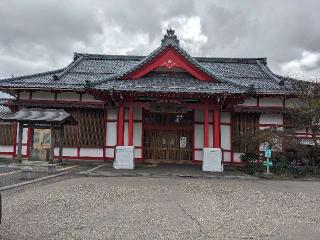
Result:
[{"x": 267, "y": 154}]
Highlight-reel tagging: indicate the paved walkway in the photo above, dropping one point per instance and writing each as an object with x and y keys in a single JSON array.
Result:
[{"x": 164, "y": 170}]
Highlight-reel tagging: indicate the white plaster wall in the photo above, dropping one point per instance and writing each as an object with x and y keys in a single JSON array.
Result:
[
  {"x": 225, "y": 117},
  {"x": 23, "y": 150},
  {"x": 67, "y": 152},
  {"x": 41, "y": 95},
  {"x": 270, "y": 102},
  {"x": 225, "y": 137},
  {"x": 137, "y": 113},
  {"x": 198, "y": 115},
  {"x": 24, "y": 135},
  {"x": 227, "y": 156},
  {"x": 88, "y": 98},
  {"x": 6, "y": 149},
  {"x": 137, "y": 134},
  {"x": 110, "y": 152},
  {"x": 126, "y": 133},
  {"x": 112, "y": 114},
  {"x": 6, "y": 156},
  {"x": 293, "y": 102},
  {"x": 198, "y": 155},
  {"x": 137, "y": 153},
  {"x": 249, "y": 102},
  {"x": 111, "y": 139},
  {"x": 91, "y": 152},
  {"x": 68, "y": 96},
  {"x": 271, "y": 119},
  {"x": 24, "y": 95},
  {"x": 236, "y": 157},
  {"x": 198, "y": 135}
]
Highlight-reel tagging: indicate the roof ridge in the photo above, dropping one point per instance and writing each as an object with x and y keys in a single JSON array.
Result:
[
  {"x": 231, "y": 60},
  {"x": 140, "y": 57},
  {"x": 108, "y": 56},
  {"x": 32, "y": 75},
  {"x": 72, "y": 65},
  {"x": 268, "y": 71}
]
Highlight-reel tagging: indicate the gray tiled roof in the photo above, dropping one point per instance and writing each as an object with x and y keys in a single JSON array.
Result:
[
  {"x": 40, "y": 116},
  {"x": 105, "y": 72},
  {"x": 170, "y": 84}
]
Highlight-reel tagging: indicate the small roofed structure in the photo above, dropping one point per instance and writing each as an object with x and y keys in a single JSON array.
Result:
[{"x": 39, "y": 118}]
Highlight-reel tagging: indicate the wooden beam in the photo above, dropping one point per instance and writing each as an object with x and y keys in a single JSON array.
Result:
[
  {"x": 61, "y": 142},
  {"x": 20, "y": 135},
  {"x": 120, "y": 139},
  {"x": 206, "y": 126},
  {"x": 216, "y": 129},
  {"x": 52, "y": 145},
  {"x": 31, "y": 137}
]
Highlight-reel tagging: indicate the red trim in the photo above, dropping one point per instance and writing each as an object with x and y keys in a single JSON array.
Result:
[
  {"x": 193, "y": 137},
  {"x": 206, "y": 127},
  {"x": 104, "y": 133},
  {"x": 7, "y": 153},
  {"x": 130, "y": 125},
  {"x": 78, "y": 134},
  {"x": 15, "y": 139},
  {"x": 216, "y": 129},
  {"x": 28, "y": 142},
  {"x": 231, "y": 137},
  {"x": 169, "y": 58},
  {"x": 142, "y": 133},
  {"x": 120, "y": 139}
]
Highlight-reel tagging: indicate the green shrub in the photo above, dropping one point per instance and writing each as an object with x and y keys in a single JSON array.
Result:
[{"x": 252, "y": 163}]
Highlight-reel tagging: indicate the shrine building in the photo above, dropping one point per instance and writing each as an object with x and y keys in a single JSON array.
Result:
[{"x": 168, "y": 105}]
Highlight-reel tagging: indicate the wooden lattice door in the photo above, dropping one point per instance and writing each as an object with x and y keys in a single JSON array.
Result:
[{"x": 167, "y": 146}]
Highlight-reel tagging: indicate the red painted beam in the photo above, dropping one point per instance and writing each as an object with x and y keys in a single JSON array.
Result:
[
  {"x": 120, "y": 140},
  {"x": 216, "y": 129},
  {"x": 206, "y": 127},
  {"x": 130, "y": 125}
]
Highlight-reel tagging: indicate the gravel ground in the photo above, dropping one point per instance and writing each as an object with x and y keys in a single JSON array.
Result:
[
  {"x": 162, "y": 208},
  {"x": 15, "y": 177}
]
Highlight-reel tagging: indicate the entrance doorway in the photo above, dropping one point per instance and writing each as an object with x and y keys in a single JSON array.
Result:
[{"x": 168, "y": 137}]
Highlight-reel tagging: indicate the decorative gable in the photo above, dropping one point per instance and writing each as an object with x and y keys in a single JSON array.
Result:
[{"x": 169, "y": 56}]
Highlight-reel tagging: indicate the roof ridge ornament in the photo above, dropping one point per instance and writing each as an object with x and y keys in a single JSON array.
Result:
[{"x": 170, "y": 38}]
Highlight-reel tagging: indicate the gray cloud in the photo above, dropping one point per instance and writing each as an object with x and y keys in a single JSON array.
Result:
[{"x": 40, "y": 35}]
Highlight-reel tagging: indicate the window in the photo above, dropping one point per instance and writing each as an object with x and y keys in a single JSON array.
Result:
[
  {"x": 88, "y": 133},
  {"x": 7, "y": 134},
  {"x": 244, "y": 124},
  {"x": 91, "y": 128}
]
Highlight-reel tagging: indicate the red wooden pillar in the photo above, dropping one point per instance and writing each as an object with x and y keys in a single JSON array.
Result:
[
  {"x": 206, "y": 127},
  {"x": 130, "y": 125},
  {"x": 216, "y": 129},
  {"x": 120, "y": 138}
]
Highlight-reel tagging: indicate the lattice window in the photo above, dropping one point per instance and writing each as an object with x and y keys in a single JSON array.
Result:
[
  {"x": 91, "y": 128},
  {"x": 87, "y": 133},
  {"x": 70, "y": 133},
  {"x": 7, "y": 131},
  {"x": 243, "y": 124},
  {"x": 290, "y": 122}
]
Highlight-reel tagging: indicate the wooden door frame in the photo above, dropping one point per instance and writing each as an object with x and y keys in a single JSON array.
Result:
[{"x": 168, "y": 128}]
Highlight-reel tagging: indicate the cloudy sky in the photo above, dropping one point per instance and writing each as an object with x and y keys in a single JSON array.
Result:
[{"x": 41, "y": 35}]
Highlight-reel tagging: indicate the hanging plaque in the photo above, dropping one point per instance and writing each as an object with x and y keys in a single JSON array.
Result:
[{"x": 183, "y": 142}]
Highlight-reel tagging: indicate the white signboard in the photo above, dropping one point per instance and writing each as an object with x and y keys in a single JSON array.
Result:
[
  {"x": 124, "y": 157},
  {"x": 183, "y": 142},
  {"x": 212, "y": 160}
]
